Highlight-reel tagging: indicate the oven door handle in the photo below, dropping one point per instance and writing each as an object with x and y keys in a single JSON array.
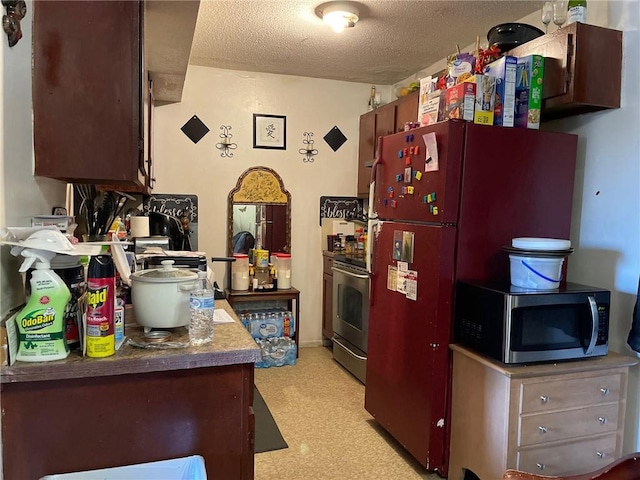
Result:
[
  {"x": 351, "y": 274},
  {"x": 593, "y": 306},
  {"x": 359, "y": 357}
]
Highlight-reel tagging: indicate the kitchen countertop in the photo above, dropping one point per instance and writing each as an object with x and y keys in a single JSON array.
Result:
[{"x": 232, "y": 344}]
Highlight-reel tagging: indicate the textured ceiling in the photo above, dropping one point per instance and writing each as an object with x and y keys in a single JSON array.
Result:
[{"x": 393, "y": 39}]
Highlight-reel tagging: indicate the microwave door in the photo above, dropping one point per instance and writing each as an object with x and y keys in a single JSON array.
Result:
[{"x": 593, "y": 307}]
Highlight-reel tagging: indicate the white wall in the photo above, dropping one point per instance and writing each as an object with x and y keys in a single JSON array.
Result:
[
  {"x": 21, "y": 194},
  {"x": 228, "y": 97},
  {"x": 606, "y": 213}
]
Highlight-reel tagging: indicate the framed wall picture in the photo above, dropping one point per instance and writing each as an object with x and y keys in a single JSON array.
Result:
[{"x": 269, "y": 131}]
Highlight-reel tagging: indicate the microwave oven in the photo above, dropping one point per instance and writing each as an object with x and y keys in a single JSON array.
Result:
[{"x": 515, "y": 325}]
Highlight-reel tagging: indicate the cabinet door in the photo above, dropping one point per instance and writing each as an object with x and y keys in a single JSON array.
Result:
[
  {"x": 327, "y": 305},
  {"x": 87, "y": 91},
  {"x": 385, "y": 121},
  {"x": 575, "y": 56},
  {"x": 366, "y": 151},
  {"x": 406, "y": 111}
]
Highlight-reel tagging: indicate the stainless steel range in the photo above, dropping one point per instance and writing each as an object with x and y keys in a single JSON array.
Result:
[{"x": 351, "y": 310}]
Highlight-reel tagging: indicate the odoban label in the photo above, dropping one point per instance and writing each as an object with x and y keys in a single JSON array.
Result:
[{"x": 38, "y": 319}]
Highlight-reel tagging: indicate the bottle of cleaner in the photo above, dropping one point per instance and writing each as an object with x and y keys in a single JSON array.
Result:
[{"x": 41, "y": 325}]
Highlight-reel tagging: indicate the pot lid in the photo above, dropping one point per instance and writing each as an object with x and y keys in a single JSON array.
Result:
[
  {"x": 528, "y": 243},
  {"x": 165, "y": 274}
]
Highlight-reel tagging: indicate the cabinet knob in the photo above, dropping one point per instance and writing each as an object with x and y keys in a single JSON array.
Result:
[
  {"x": 601, "y": 454},
  {"x": 542, "y": 429},
  {"x": 540, "y": 466},
  {"x": 544, "y": 398},
  {"x": 602, "y": 420},
  {"x": 604, "y": 391}
]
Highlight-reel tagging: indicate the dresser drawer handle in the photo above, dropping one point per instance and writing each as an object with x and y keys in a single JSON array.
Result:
[
  {"x": 601, "y": 454},
  {"x": 542, "y": 429},
  {"x": 604, "y": 391},
  {"x": 544, "y": 398},
  {"x": 602, "y": 420},
  {"x": 540, "y": 466}
]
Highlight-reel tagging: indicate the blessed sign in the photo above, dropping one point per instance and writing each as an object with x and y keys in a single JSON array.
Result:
[
  {"x": 174, "y": 205},
  {"x": 177, "y": 206},
  {"x": 351, "y": 208}
]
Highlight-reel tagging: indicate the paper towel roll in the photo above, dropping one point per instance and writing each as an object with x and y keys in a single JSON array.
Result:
[{"x": 139, "y": 227}]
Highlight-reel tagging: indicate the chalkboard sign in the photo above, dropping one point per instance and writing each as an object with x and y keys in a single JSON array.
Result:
[
  {"x": 350, "y": 208},
  {"x": 176, "y": 205}
]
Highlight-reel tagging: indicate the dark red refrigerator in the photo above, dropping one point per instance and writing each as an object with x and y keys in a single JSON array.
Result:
[{"x": 445, "y": 209}]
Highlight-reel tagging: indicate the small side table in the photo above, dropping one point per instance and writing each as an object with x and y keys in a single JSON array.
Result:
[{"x": 291, "y": 295}]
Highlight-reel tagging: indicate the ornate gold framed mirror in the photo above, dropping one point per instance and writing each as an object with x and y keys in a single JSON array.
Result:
[{"x": 259, "y": 213}]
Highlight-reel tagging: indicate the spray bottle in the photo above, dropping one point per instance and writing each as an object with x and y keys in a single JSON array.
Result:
[{"x": 41, "y": 324}]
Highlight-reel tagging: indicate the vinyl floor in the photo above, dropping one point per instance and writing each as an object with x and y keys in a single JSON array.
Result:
[{"x": 319, "y": 408}]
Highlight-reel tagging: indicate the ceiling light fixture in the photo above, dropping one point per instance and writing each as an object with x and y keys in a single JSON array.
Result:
[{"x": 340, "y": 16}]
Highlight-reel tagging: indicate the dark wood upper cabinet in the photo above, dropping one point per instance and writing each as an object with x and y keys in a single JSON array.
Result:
[
  {"x": 583, "y": 69},
  {"x": 90, "y": 93},
  {"x": 406, "y": 111},
  {"x": 366, "y": 151},
  {"x": 382, "y": 121}
]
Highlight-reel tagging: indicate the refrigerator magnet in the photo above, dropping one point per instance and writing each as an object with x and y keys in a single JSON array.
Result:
[
  {"x": 399, "y": 177},
  {"x": 399, "y": 153},
  {"x": 417, "y": 174},
  {"x": 407, "y": 161},
  {"x": 392, "y": 278},
  {"x": 407, "y": 175},
  {"x": 411, "y": 284},
  {"x": 407, "y": 247},
  {"x": 410, "y": 190},
  {"x": 397, "y": 245}
]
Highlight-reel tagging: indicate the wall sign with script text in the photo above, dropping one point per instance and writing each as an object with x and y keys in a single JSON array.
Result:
[
  {"x": 176, "y": 205},
  {"x": 350, "y": 208}
]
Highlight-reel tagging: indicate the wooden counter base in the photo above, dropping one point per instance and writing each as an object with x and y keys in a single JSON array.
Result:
[
  {"x": 88, "y": 423},
  {"x": 135, "y": 407}
]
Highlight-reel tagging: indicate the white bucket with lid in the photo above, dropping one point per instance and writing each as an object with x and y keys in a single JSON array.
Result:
[{"x": 536, "y": 263}]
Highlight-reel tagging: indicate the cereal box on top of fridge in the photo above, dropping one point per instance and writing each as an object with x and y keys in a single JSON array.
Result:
[
  {"x": 428, "y": 103},
  {"x": 460, "y": 101},
  {"x": 529, "y": 77},
  {"x": 485, "y": 93},
  {"x": 504, "y": 70}
]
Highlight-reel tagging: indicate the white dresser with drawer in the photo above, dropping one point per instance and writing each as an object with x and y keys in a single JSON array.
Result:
[{"x": 552, "y": 419}]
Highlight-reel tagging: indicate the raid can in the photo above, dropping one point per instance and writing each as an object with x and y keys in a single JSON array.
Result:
[{"x": 101, "y": 296}]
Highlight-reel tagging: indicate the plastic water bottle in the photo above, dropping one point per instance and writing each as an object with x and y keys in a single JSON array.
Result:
[{"x": 201, "y": 303}]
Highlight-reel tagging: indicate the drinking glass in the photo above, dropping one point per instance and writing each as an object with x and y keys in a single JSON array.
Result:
[
  {"x": 560, "y": 12},
  {"x": 547, "y": 15}
]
